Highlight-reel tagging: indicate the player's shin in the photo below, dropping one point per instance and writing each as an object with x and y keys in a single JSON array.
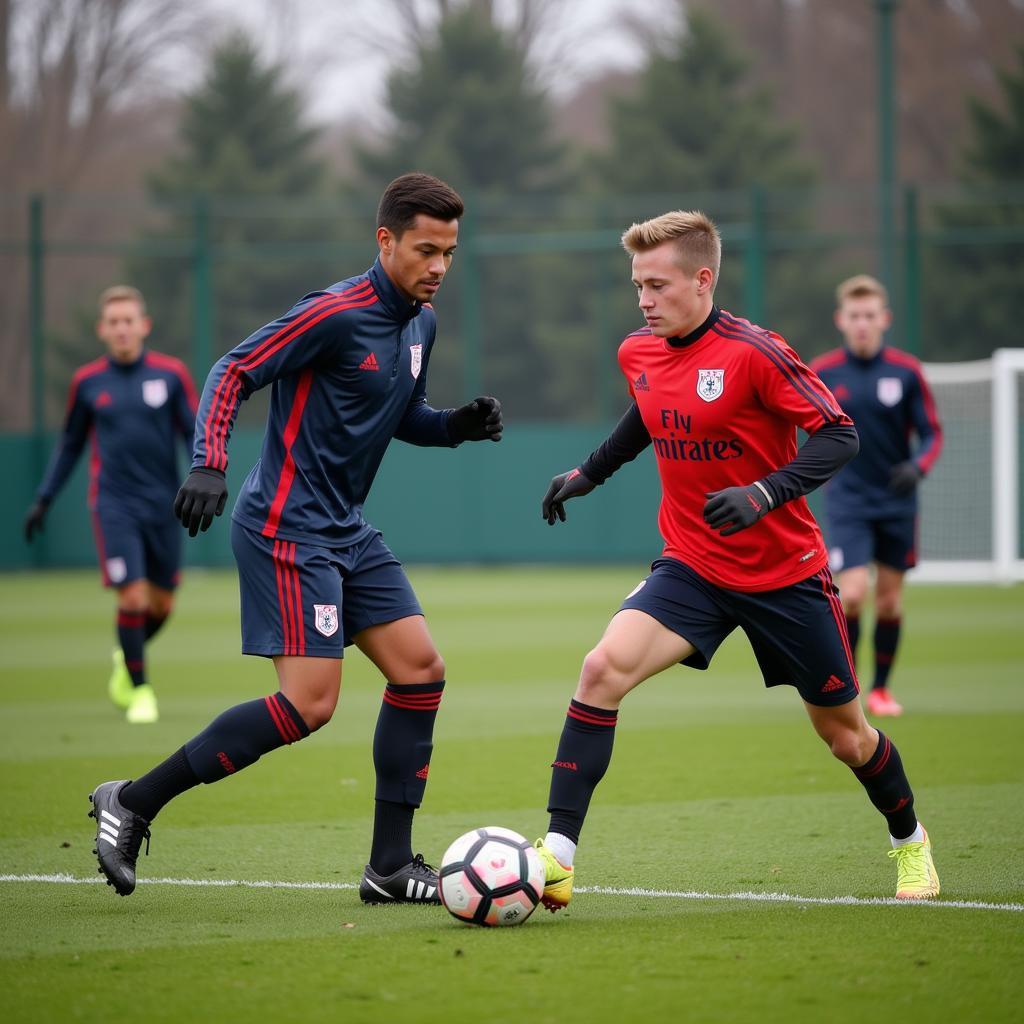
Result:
[
  {"x": 888, "y": 789},
  {"x": 234, "y": 740},
  {"x": 584, "y": 753},
  {"x": 402, "y": 745}
]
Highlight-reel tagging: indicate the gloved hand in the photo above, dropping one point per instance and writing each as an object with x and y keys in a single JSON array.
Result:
[
  {"x": 904, "y": 477},
  {"x": 735, "y": 508},
  {"x": 480, "y": 420},
  {"x": 200, "y": 498},
  {"x": 573, "y": 484},
  {"x": 34, "y": 519}
]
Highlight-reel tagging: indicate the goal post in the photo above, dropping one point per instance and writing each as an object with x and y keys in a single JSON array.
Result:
[{"x": 970, "y": 529}]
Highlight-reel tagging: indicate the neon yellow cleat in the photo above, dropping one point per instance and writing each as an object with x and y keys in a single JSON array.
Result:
[
  {"x": 142, "y": 710},
  {"x": 557, "y": 879},
  {"x": 120, "y": 688},
  {"x": 916, "y": 878}
]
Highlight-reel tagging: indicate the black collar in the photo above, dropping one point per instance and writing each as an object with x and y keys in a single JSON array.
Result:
[
  {"x": 698, "y": 332},
  {"x": 391, "y": 298}
]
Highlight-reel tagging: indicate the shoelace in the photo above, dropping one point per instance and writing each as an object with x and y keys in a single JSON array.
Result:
[
  {"x": 421, "y": 867},
  {"x": 910, "y": 864},
  {"x": 133, "y": 838}
]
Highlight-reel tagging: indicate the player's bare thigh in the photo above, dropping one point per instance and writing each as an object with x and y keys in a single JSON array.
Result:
[
  {"x": 635, "y": 646},
  {"x": 312, "y": 686},
  {"x": 402, "y": 650},
  {"x": 853, "y": 587},
  {"x": 846, "y": 731},
  {"x": 888, "y": 592}
]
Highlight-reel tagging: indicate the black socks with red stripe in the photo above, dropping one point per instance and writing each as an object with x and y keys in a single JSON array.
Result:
[
  {"x": 887, "y": 639},
  {"x": 154, "y": 623},
  {"x": 234, "y": 740},
  {"x": 584, "y": 753},
  {"x": 131, "y": 635},
  {"x": 888, "y": 789},
  {"x": 402, "y": 745}
]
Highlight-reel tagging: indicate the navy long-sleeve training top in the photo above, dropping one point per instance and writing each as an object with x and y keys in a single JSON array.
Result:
[
  {"x": 889, "y": 401},
  {"x": 349, "y": 370},
  {"x": 132, "y": 412}
]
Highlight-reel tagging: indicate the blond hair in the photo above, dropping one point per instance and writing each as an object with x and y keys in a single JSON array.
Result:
[
  {"x": 861, "y": 286},
  {"x": 122, "y": 293},
  {"x": 697, "y": 241}
]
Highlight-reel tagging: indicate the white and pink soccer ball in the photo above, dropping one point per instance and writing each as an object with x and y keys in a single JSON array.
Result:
[{"x": 491, "y": 876}]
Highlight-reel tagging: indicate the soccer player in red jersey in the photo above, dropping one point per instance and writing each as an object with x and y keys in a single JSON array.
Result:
[
  {"x": 721, "y": 399},
  {"x": 871, "y": 506}
]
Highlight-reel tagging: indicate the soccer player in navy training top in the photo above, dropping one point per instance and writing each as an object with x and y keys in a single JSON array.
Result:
[
  {"x": 721, "y": 400},
  {"x": 348, "y": 367},
  {"x": 133, "y": 404},
  {"x": 871, "y": 504}
]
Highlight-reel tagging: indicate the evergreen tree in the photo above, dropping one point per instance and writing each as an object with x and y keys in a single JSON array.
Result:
[
  {"x": 984, "y": 309},
  {"x": 247, "y": 154},
  {"x": 696, "y": 132}
]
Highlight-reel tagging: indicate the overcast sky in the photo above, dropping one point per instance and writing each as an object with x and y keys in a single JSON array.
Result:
[{"x": 336, "y": 55}]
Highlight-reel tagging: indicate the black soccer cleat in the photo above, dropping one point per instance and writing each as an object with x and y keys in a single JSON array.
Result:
[
  {"x": 414, "y": 883},
  {"x": 119, "y": 834}
]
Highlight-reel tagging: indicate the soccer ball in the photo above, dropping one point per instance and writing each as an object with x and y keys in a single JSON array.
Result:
[{"x": 491, "y": 876}]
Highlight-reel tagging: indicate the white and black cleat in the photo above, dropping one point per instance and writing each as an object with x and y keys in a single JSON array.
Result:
[
  {"x": 119, "y": 835},
  {"x": 414, "y": 883}
]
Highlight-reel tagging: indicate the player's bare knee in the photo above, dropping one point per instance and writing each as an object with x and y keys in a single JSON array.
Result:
[
  {"x": 317, "y": 711},
  {"x": 424, "y": 667},
  {"x": 847, "y": 745},
  {"x": 601, "y": 681},
  {"x": 888, "y": 606}
]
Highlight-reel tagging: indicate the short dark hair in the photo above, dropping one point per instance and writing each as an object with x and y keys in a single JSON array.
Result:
[{"x": 413, "y": 194}]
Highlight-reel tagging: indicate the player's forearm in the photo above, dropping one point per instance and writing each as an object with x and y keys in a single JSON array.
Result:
[
  {"x": 624, "y": 444},
  {"x": 57, "y": 473},
  {"x": 426, "y": 427},
  {"x": 820, "y": 457}
]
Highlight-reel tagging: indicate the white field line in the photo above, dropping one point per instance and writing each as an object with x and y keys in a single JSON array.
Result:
[{"x": 597, "y": 890}]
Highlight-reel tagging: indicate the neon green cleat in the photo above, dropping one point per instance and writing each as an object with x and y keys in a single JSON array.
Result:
[
  {"x": 120, "y": 688},
  {"x": 916, "y": 878},
  {"x": 142, "y": 710},
  {"x": 557, "y": 879}
]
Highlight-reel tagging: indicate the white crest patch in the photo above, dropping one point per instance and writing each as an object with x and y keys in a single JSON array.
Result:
[
  {"x": 710, "y": 384},
  {"x": 415, "y": 360},
  {"x": 326, "y": 618},
  {"x": 890, "y": 390},
  {"x": 117, "y": 569},
  {"x": 836, "y": 561},
  {"x": 154, "y": 392}
]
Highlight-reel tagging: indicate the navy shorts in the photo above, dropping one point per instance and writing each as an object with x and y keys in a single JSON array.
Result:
[
  {"x": 855, "y": 541},
  {"x": 798, "y": 632},
  {"x": 307, "y": 600},
  {"x": 131, "y": 548}
]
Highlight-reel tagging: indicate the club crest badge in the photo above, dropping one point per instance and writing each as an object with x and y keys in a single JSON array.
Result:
[
  {"x": 710, "y": 384},
  {"x": 890, "y": 390},
  {"x": 154, "y": 392},
  {"x": 415, "y": 360},
  {"x": 117, "y": 569},
  {"x": 326, "y": 619}
]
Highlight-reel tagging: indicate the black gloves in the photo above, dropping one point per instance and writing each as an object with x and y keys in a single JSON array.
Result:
[
  {"x": 200, "y": 498},
  {"x": 735, "y": 508},
  {"x": 34, "y": 519},
  {"x": 573, "y": 484},
  {"x": 480, "y": 420},
  {"x": 904, "y": 477}
]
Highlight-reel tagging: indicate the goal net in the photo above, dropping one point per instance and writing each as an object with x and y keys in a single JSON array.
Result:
[{"x": 970, "y": 528}]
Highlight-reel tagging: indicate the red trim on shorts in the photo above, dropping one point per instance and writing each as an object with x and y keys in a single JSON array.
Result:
[
  {"x": 828, "y": 589},
  {"x": 279, "y": 570}
]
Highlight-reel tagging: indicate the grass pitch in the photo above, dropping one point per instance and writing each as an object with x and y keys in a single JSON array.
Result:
[{"x": 717, "y": 787}]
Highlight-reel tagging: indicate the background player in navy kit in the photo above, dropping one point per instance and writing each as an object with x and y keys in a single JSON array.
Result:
[
  {"x": 871, "y": 504},
  {"x": 721, "y": 400},
  {"x": 348, "y": 367},
  {"x": 133, "y": 403}
]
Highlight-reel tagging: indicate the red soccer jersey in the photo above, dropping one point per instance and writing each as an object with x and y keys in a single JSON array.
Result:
[{"x": 722, "y": 407}]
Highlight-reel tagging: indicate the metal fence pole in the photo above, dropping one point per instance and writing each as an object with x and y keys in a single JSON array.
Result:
[
  {"x": 887, "y": 140},
  {"x": 469, "y": 258},
  {"x": 911, "y": 272},
  {"x": 202, "y": 335},
  {"x": 37, "y": 341}
]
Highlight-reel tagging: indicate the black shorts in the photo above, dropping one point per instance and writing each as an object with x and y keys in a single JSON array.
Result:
[
  {"x": 798, "y": 632},
  {"x": 855, "y": 541},
  {"x": 130, "y": 548},
  {"x": 302, "y": 599}
]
